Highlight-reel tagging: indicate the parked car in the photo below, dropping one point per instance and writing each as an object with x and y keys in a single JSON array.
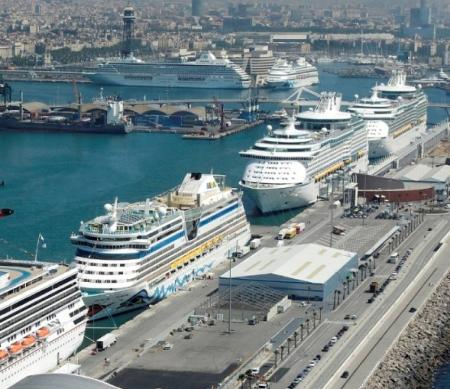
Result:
[
  {"x": 412, "y": 310},
  {"x": 345, "y": 374}
]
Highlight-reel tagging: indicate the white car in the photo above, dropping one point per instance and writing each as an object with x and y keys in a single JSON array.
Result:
[
  {"x": 333, "y": 339},
  {"x": 255, "y": 370},
  {"x": 312, "y": 364}
]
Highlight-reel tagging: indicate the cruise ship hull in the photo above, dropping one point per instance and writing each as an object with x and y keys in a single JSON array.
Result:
[
  {"x": 164, "y": 81},
  {"x": 43, "y": 357},
  {"x": 291, "y": 84},
  {"x": 280, "y": 199},
  {"x": 140, "y": 295},
  {"x": 383, "y": 147}
]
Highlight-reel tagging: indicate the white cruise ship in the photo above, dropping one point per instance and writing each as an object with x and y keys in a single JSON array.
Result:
[
  {"x": 205, "y": 72},
  {"x": 396, "y": 114},
  {"x": 140, "y": 253},
  {"x": 287, "y": 166},
  {"x": 287, "y": 75},
  {"x": 42, "y": 318}
]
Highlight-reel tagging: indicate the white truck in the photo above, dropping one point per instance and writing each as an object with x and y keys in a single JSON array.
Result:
[
  {"x": 106, "y": 341},
  {"x": 255, "y": 243},
  {"x": 241, "y": 251}
]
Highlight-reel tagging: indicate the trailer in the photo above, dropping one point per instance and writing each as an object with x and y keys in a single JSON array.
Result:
[{"x": 106, "y": 341}]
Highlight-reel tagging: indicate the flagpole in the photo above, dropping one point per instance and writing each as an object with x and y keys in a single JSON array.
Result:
[{"x": 37, "y": 248}]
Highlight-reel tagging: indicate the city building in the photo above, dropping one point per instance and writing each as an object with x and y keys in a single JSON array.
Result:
[{"x": 308, "y": 271}]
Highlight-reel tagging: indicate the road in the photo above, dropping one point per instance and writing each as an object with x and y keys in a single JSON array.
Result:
[{"x": 330, "y": 366}]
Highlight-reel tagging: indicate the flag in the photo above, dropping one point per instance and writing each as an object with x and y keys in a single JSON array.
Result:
[{"x": 42, "y": 240}]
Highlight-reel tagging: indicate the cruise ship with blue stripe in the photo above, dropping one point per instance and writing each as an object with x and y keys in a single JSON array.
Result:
[{"x": 139, "y": 253}]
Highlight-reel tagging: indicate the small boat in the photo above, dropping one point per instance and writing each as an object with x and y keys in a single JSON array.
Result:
[
  {"x": 28, "y": 341},
  {"x": 43, "y": 332},
  {"x": 6, "y": 212},
  {"x": 4, "y": 356},
  {"x": 15, "y": 348}
]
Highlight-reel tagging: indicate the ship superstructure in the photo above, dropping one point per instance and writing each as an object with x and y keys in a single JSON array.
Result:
[
  {"x": 42, "y": 318},
  {"x": 207, "y": 71},
  {"x": 287, "y": 166},
  {"x": 286, "y": 75},
  {"x": 396, "y": 114},
  {"x": 139, "y": 253}
]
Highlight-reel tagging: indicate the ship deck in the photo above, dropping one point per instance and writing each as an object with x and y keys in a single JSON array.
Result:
[{"x": 25, "y": 275}]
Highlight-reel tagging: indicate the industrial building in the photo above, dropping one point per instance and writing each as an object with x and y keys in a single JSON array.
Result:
[{"x": 307, "y": 272}]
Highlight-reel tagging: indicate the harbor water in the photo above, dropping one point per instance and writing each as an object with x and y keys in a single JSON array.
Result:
[{"x": 54, "y": 181}]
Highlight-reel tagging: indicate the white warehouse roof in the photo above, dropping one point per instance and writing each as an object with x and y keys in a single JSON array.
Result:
[
  {"x": 310, "y": 262},
  {"x": 421, "y": 172}
]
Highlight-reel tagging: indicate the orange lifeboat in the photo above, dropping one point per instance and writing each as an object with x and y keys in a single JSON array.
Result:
[
  {"x": 43, "y": 332},
  {"x": 4, "y": 355},
  {"x": 28, "y": 341},
  {"x": 15, "y": 348}
]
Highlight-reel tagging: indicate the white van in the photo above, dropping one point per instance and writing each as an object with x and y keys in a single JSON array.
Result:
[{"x": 393, "y": 258}]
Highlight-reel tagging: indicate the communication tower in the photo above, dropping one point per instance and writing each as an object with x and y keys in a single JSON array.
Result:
[{"x": 128, "y": 31}]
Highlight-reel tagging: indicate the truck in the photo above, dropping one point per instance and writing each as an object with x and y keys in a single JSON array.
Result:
[
  {"x": 291, "y": 232},
  {"x": 300, "y": 227},
  {"x": 255, "y": 243},
  {"x": 282, "y": 234},
  {"x": 393, "y": 258},
  {"x": 241, "y": 251},
  {"x": 373, "y": 287},
  {"x": 106, "y": 341},
  {"x": 338, "y": 230}
]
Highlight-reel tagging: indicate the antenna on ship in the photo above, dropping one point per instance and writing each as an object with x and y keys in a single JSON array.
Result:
[{"x": 128, "y": 31}]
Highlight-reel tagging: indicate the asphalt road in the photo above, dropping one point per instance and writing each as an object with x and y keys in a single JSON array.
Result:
[{"x": 330, "y": 365}]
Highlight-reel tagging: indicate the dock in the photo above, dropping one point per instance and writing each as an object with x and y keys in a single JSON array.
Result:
[{"x": 213, "y": 135}]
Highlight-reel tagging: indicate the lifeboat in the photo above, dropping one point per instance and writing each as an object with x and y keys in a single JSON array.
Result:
[
  {"x": 15, "y": 348},
  {"x": 43, "y": 332},
  {"x": 4, "y": 356},
  {"x": 28, "y": 341}
]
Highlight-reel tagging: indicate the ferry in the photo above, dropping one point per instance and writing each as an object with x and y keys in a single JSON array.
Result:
[
  {"x": 139, "y": 253},
  {"x": 287, "y": 75},
  {"x": 286, "y": 167},
  {"x": 396, "y": 114},
  {"x": 42, "y": 318},
  {"x": 207, "y": 71}
]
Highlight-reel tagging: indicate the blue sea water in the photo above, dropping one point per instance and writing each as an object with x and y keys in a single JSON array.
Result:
[{"x": 442, "y": 378}]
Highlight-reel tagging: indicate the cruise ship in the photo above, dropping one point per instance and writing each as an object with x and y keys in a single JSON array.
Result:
[
  {"x": 207, "y": 71},
  {"x": 42, "y": 318},
  {"x": 287, "y": 166},
  {"x": 287, "y": 75},
  {"x": 396, "y": 115},
  {"x": 139, "y": 253}
]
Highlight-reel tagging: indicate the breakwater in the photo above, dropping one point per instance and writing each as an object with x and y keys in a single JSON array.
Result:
[{"x": 421, "y": 350}]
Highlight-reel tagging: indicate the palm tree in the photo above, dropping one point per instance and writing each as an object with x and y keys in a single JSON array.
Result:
[
  {"x": 314, "y": 319},
  {"x": 307, "y": 326},
  {"x": 295, "y": 338},
  {"x": 339, "y": 295},
  {"x": 301, "y": 332},
  {"x": 343, "y": 287}
]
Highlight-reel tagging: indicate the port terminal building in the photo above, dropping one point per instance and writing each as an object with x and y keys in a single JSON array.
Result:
[
  {"x": 305, "y": 272},
  {"x": 394, "y": 190}
]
